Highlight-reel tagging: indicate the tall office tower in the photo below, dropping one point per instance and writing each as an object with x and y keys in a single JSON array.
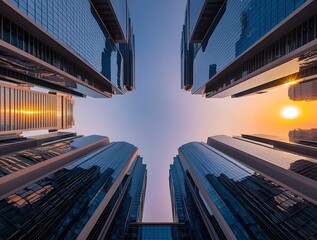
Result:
[
  {"x": 303, "y": 136},
  {"x": 131, "y": 207},
  {"x": 22, "y": 109},
  {"x": 235, "y": 48},
  {"x": 185, "y": 206},
  {"x": 75, "y": 193},
  {"x": 75, "y": 47},
  {"x": 306, "y": 91},
  {"x": 241, "y": 196}
]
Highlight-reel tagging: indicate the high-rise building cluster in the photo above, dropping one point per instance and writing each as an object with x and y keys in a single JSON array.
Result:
[
  {"x": 73, "y": 187},
  {"x": 62, "y": 185},
  {"x": 70, "y": 48}
]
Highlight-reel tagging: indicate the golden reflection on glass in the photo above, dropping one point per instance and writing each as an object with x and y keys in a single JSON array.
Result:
[{"x": 290, "y": 83}]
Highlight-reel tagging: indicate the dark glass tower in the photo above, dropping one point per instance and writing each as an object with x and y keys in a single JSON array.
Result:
[
  {"x": 235, "y": 48},
  {"x": 131, "y": 207},
  {"x": 87, "y": 189},
  {"x": 236, "y": 201},
  {"x": 76, "y": 47}
]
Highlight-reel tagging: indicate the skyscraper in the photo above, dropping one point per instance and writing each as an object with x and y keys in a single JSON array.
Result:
[
  {"x": 303, "y": 136},
  {"x": 236, "y": 48},
  {"x": 238, "y": 199},
  {"x": 76, "y": 47},
  {"x": 22, "y": 109},
  {"x": 131, "y": 207},
  {"x": 74, "y": 193},
  {"x": 306, "y": 91}
]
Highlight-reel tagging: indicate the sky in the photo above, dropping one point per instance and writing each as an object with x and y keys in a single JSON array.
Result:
[{"x": 158, "y": 117}]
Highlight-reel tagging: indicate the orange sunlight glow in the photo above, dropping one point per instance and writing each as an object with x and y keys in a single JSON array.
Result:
[
  {"x": 290, "y": 112},
  {"x": 290, "y": 83}
]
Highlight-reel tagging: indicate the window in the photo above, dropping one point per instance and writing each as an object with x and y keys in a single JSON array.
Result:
[
  {"x": 20, "y": 38},
  {"x": 6, "y": 30},
  {"x": 0, "y": 27},
  {"x": 311, "y": 29}
]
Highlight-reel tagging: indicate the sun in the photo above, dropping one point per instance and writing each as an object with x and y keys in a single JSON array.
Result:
[{"x": 290, "y": 112}]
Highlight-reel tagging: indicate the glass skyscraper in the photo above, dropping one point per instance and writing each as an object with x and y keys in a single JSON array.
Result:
[
  {"x": 22, "y": 109},
  {"x": 303, "y": 136},
  {"x": 84, "y": 188},
  {"x": 76, "y": 47},
  {"x": 306, "y": 91},
  {"x": 241, "y": 47},
  {"x": 235, "y": 200}
]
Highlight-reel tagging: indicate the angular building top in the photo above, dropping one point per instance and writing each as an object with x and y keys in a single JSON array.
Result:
[
  {"x": 76, "y": 47},
  {"x": 235, "y": 46},
  {"x": 236, "y": 201}
]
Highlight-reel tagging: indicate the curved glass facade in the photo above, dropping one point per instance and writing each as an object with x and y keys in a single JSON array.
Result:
[
  {"x": 252, "y": 206},
  {"x": 76, "y": 24},
  {"x": 242, "y": 24}
]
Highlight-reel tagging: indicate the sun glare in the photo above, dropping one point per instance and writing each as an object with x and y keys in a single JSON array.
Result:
[
  {"x": 290, "y": 83},
  {"x": 290, "y": 112}
]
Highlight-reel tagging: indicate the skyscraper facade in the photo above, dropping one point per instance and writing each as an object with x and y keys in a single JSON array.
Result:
[
  {"x": 131, "y": 208},
  {"x": 74, "y": 193},
  {"x": 22, "y": 109},
  {"x": 235, "y": 48},
  {"x": 306, "y": 91},
  {"x": 303, "y": 135},
  {"x": 237, "y": 201},
  {"x": 76, "y": 47}
]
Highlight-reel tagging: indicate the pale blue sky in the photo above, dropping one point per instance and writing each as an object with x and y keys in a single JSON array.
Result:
[{"x": 159, "y": 117}]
